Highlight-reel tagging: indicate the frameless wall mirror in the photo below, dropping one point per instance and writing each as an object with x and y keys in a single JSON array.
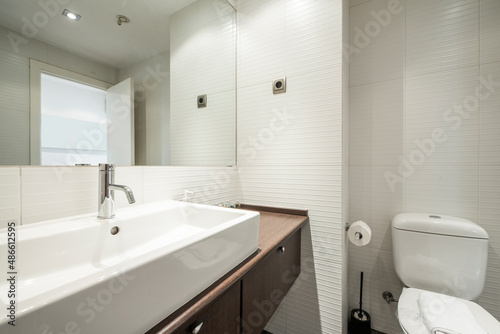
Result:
[{"x": 117, "y": 81}]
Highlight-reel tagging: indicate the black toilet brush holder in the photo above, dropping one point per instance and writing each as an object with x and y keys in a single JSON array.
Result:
[{"x": 360, "y": 322}]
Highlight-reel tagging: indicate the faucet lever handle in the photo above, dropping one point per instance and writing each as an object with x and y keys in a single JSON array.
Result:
[
  {"x": 106, "y": 167},
  {"x": 186, "y": 197}
]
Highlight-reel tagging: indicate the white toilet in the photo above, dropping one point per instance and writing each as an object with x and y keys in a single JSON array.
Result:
[{"x": 437, "y": 257}]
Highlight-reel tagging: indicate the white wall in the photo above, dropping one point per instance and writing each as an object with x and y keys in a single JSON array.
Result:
[
  {"x": 14, "y": 91},
  {"x": 345, "y": 164},
  {"x": 290, "y": 145},
  {"x": 202, "y": 61},
  {"x": 152, "y": 108},
  {"x": 57, "y": 192},
  {"x": 405, "y": 80}
]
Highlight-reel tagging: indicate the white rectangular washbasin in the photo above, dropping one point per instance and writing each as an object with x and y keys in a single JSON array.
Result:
[{"x": 75, "y": 276}]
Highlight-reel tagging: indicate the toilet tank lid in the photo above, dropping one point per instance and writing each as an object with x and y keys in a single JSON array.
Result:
[{"x": 438, "y": 224}]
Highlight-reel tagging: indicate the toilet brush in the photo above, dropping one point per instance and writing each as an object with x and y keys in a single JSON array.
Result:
[{"x": 360, "y": 320}]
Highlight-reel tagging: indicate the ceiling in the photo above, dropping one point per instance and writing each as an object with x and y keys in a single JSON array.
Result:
[{"x": 96, "y": 35}]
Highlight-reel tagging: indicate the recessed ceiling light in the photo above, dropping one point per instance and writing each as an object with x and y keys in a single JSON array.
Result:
[{"x": 71, "y": 15}]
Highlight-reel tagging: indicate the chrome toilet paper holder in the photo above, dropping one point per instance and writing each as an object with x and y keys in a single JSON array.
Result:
[{"x": 357, "y": 234}]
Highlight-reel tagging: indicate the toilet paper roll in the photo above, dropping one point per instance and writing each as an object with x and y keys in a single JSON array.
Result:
[{"x": 359, "y": 233}]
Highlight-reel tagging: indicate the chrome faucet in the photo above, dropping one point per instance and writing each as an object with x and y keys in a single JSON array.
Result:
[{"x": 106, "y": 191}]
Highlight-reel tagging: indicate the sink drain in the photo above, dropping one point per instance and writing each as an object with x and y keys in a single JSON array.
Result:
[{"x": 114, "y": 230}]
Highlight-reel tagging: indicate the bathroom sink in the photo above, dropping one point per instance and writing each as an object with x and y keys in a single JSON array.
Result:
[{"x": 125, "y": 274}]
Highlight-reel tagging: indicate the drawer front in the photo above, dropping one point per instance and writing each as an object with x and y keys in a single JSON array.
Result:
[
  {"x": 221, "y": 317},
  {"x": 265, "y": 286}
]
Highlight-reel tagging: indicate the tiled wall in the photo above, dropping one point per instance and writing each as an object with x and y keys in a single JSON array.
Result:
[
  {"x": 290, "y": 145},
  {"x": 203, "y": 61},
  {"x": 412, "y": 73},
  {"x": 14, "y": 88},
  {"x": 34, "y": 194},
  {"x": 345, "y": 162}
]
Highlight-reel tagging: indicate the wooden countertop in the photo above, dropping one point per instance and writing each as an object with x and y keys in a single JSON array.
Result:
[{"x": 276, "y": 225}]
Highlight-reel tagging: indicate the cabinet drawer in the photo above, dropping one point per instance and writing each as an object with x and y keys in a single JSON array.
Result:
[
  {"x": 221, "y": 316},
  {"x": 265, "y": 286}
]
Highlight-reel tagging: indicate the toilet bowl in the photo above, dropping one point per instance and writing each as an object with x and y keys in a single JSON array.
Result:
[
  {"x": 412, "y": 322},
  {"x": 445, "y": 258}
]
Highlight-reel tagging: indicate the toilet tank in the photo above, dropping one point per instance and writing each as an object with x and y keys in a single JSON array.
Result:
[{"x": 438, "y": 253}]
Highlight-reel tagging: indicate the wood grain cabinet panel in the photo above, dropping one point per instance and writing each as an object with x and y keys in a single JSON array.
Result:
[
  {"x": 220, "y": 317},
  {"x": 265, "y": 286}
]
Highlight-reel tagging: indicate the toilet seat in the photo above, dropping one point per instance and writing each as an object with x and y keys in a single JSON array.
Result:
[{"x": 412, "y": 322}]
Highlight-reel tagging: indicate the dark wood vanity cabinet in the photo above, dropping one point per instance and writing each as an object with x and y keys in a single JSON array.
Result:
[
  {"x": 220, "y": 317},
  {"x": 265, "y": 286},
  {"x": 244, "y": 300},
  {"x": 249, "y": 304}
]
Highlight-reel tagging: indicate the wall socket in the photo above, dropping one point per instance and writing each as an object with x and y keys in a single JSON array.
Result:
[
  {"x": 202, "y": 101},
  {"x": 279, "y": 86}
]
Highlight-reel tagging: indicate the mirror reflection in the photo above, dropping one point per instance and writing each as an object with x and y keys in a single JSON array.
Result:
[{"x": 117, "y": 82}]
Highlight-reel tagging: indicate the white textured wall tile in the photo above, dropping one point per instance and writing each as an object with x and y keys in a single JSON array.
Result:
[
  {"x": 457, "y": 176},
  {"x": 278, "y": 323},
  {"x": 261, "y": 42},
  {"x": 309, "y": 28},
  {"x": 446, "y": 190},
  {"x": 379, "y": 276},
  {"x": 445, "y": 102},
  {"x": 261, "y": 121},
  {"x": 317, "y": 189},
  {"x": 217, "y": 64},
  {"x": 15, "y": 81},
  {"x": 372, "y": 201},
  {"x": 345, "y": 167},
  {"x": 184, "y": 20},
  {"x": 209, "y": 184},
  {"x": 202, "y": 64},
  {"x": 183, "y": 53},
  {"x": 376, "y": 45},
  {"x": 290, "y": 145},
  {"x": 203, "y": 61},
  {"x": 301, "y": 126},
  {"x": 489, "y": 123},
  {"x": 17, "y": 43},
  {"x": 131, "y": 177},
  {"x": 14, "y": 137},
  {"x": 157, "y": 142},
  {"x": 14, "y": 108},
  {"x": 57, "y": 192},
  {"x": 441, "y": 35},
  {"x": 376, "y": 123},
  {"x": 10, "y": 195},
  {"x": 489, "y": 211},
  {"x": 305, "y": 187},
  {"x": 316, "y": 131},
  {"x": 489, "y": 36},
  {"x": 310, "y": 312},
  {"x": 215, "y": 124},
  {"x": 158, "y": 124}
]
